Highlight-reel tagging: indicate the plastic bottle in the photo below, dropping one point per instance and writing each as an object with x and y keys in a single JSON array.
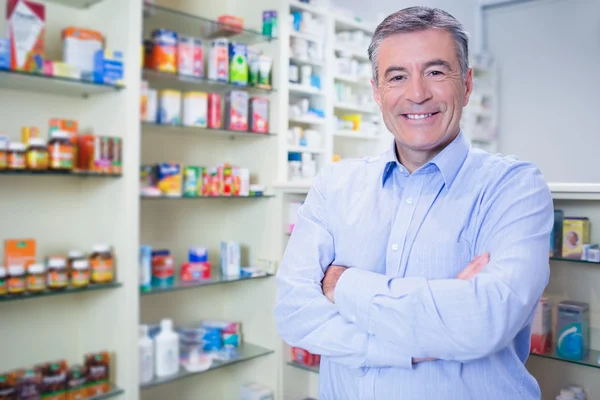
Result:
[
  {"x": 578, "y": 391},
  {"x": 166, "y": 350},
  {"x": 146, "y": 349}
]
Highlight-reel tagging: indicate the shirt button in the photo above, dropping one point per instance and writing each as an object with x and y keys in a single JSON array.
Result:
[
  {"x": 395, "y": 247},
  {"x": 409, "y": 200}
]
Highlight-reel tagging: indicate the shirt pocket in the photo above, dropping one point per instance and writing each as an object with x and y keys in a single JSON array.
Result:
[{"x": 438, "y": 260}]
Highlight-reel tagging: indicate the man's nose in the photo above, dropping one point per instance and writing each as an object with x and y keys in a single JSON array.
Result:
[{"x": 418, "y": 91}]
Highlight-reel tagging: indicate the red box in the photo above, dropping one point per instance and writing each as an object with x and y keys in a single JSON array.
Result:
[
  {"x": 259, "y": 115},
  {"x": 195, "y": 271},
  {"x": 225, "y": 180},
  {"x": 26, "y": 34},
  {"x": 214, "y": 111},
  {"x": 304, "y": 357}
]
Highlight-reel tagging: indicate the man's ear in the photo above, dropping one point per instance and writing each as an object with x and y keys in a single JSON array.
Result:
[
  {"x": 376, "y": 94},
  {"x": 468, "y": 86}
]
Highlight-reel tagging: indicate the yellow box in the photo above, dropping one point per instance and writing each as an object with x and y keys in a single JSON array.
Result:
[{"x": 576, "y": 233}]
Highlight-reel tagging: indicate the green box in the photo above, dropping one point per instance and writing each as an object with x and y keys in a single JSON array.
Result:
[{"x": 191, "y": 181}]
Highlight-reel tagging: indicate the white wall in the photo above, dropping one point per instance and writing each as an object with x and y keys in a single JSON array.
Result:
[{"x": 548, "y": 84}]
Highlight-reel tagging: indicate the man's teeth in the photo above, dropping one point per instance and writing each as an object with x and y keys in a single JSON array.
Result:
[{"x": 418, "y": 116}]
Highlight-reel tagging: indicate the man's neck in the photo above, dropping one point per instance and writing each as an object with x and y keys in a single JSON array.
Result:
[{"x": 412, "y": 160}]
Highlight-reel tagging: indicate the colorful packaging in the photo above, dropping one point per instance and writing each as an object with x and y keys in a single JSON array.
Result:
[
  {"x": 572, "y": 330},
  {"x": 576, "y": 233},
  {"x": 190, "y": 56},
  {"x": 211, "y": 182},
  {"x": 148, "y": 176},
  {"x": 163, "y": 268},
  {"x": 116, "y": 155},
  {"x": 54, "y": 380},
  {"x": 541, "y": 329},
  {"x": 191, "y": 177},
  {"x": 145, "y": 267},
  {"x": 218, "y": 61},
  {"x": 259, "y": 115},
  {"x": 198, "y": 254},
  {"x": 198, "y": 70},
  {"x": 19, "y": 252},
  {"x": 195, "y": 108},
  {"x": 98, "y": 370},
  {"x": 302, "y": 356},
  {"x": 61, "y": 69},
  {"x": 29, "y": 132},
  {"x": 195, "y": 271},
  {"x": 236, "y": 115},
  {"x": 26, "y": 31},
  {"x": 169, "y": 179},
  {"x": 270, "y": 26},
  {"x": 214, "y": 111},
  {"x": 148, "y": 54},
  {"x": 556, "y": 236},
  {"x": 230, "y": 259},
  {"x": 238, "y": 63},
  {"x": 76, "y": 383},
  {"x": 169, "y": 112},
  {"x": 70, "y": 126},
  {"x": 265, "y": 64},
  {"x": 109, "y": 68},
  {"x": 231, "y": 23},
  {"x": 225, "y": 172},
  {"x": 8, "y": 385},
  {"x": 4, "y": 54},
  {"x": 95, "y": 153},
  {"x": 164, "y": 50},
  {"x": 80, "y": 46}
]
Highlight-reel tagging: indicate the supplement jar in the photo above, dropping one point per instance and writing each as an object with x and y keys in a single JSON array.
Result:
[
  {"x": 57, "y": 273},
  {"x": 16, "y": 279},
  {"x": 16, "y": 156},
  {"x": 3, "y": 282},
  {"x": 80, "y": 273},
  {"x": 37, "y": 154},
  {"x": 3, "y": 154},
  {"x": 101, "y": 264},
  {"x": 36, "y": 278},
  {"x": 73, "y": 256},
  {"x": 61, "y": 151}
]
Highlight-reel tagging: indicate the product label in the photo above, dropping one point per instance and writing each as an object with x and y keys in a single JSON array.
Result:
[
  {"x": 16, "y": 284},
  {"x": 57, "y": 279},
  {"x": 16, "y": 160},
  {"x": 80, "y": 278},
  {"x": 35, "y": 283},
  {"x": 37, "y": 159},
  {"x": 61, "y": 156},
  {"x": 102, "y": 269}
]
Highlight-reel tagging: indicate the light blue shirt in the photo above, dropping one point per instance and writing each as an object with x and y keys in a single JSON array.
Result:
[{"x": 405, "y": 238}]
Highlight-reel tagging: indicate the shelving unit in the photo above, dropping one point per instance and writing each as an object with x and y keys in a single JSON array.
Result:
[
  {"x": 70, "y": 174},
  {"x": 314, "y": 368},
  {"x": 218, "y": 280},
  {"x": 207, "y": 197},
  {"x": 67, "y": 291},
  {"x": 79, "y": 4},
  {"x": 150, "y": 128}
]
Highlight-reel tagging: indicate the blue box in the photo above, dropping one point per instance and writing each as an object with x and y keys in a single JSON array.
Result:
[
  {"x": 573, "y": 330},
  {"x": 108, "y": 67},
  {"x": 556, "y": 236},
  {"x": 4, "y": 54}
]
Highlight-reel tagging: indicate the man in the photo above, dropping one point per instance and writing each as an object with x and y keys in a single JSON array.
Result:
[{"x": 374, "y": 276}]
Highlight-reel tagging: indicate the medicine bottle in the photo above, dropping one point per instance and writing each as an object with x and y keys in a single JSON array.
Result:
[
  {"x": 3, "y": 154},
  {"x": 73, "y": 256},
  {"x": 16, "y": 279},
  {"x": 80, "y": 273},
  {"x": 61, "y": 151},
  {"x": 36, "y": 278},
  {"x": 16, "y": 156},
  {"x": 57, "y": 273},
  {"x": 101, "y": 264},
  {"x": 37, "y": 154},
  {"x": 3, "y": 282}
]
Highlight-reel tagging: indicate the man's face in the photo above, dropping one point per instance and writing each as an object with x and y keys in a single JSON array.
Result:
[{"x": 421, "y": 91}]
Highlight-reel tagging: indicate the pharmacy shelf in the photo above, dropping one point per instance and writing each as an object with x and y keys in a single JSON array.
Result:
[
  {"x": 306, "y": 36},
  {"x": 245, "y": 352},
  {"x": 264, "y": 196},
  {"x": 573, "y": 260},
  {"x": 347, "y": 24},
  {"x": 314, "y": 368},
  {"x": 360, "y": 55},
  {"x": 37, "y": 83},
  {"x": 298, "y": 6},
  {"x": 308, "y": 120},
  {"x": 349, "y": 134},
  {"x": 51, "y": 293},
  {"x": 159, "y": 17},
  {"x": 302, "y": 61},
  {"x": 294, "y": 187},
  {"x": 304, "y": 89},
  {"x": 149, "y": 127},
  {"x": 217, "y": 280},
  {"x": 168, "y": 80},
  {"x": 591, "y": 360},
  {"x": 114, "y": 392},
  {"x": 354, "y": 108},
  {"x": 575, "y": 191},
  {"x": 353, "y": 80},
  {"x": 81, "y": 4},
  {"x": 302, "y": 149},
  {"x": 87, "y": 174}
]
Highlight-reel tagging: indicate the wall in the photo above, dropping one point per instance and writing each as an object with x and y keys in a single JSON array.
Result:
[{"x": 549, "y": 81}]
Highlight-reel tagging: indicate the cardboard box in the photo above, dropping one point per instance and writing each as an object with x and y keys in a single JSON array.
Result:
[
  {"x": 26, "y": 32},
  {"x": 19, "y": 252},
  {"x": 541, "y": 329},
  {"x": 576, "y": 233},
  {"x": 79, "y": 49},
  {"x": 108, "y": 67}
]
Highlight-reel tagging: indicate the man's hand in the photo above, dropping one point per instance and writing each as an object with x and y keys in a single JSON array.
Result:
[
  {"x": 474, "y": 267},
  {"x": 332, "y": 275}
]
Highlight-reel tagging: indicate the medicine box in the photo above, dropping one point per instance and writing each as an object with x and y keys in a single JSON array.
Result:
[
  {"x": 19, "y": 252},
  {"x": 80, "y": 46},
  {"x": 169, "y": 179},
  {"x": 169, "y": 112},
  {"x": 230, "y": 258},
  {"x": 236, "y": 115},
  {"x": 238, "y": 63},
  {"x": 195, "y": 108},
  {"x": 108, "y": 67},
  {"x": 556, "y": 236},
  {"x": 576, "y": 233},
  {"x": 541, "y": 329},
  {"x": 572, "y": 330},
  {"x": 190, "y": 56},
  {"x": 4, "y": 54},
  {"x": 26, "y": 22},
  {"x": 259, "y": 115},
  {"x": 218, "y": 60},
  {"x": 191, "y": 177},
  {"x": 164, "y": 50}
]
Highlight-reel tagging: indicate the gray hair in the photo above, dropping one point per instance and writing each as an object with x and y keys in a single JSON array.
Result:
[{"x": 414, "y": 19}]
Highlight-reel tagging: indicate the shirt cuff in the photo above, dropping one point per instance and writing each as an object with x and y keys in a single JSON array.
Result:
[{"x": 381, "y": 354}]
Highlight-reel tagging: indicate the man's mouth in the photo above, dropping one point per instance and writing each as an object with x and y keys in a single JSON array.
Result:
[{"x": 419, "y": 116}]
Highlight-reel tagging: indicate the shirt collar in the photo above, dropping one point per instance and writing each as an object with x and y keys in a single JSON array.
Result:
[{"x": 448, "y": 161}]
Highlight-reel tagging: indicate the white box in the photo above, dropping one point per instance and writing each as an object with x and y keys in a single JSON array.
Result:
[
  {"x": 195, "y": 105},
  {"x": 170, "y": 107},
  {"x": 230, "y": 259}
]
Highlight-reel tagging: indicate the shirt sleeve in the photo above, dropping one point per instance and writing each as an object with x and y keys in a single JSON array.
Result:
[
  {"x": 462, "y": 320},
  {"x": 305, "y": 317}
]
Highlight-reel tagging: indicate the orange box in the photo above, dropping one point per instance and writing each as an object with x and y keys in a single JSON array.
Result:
[
  {"x": 19, "y": 252},
  {"x": 231, "y": 23},
  {"x": 68, "y": 125},
  {"x": 26, "y": 30},
  {"x": 80, "y": 46}
]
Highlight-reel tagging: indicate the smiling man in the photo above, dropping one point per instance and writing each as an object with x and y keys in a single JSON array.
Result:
[{"x": 416, "y": 274}]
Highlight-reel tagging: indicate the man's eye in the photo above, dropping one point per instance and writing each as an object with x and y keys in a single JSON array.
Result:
[
  {"x": 397, "y": 78},
  {"x": 436, "y": 73}
]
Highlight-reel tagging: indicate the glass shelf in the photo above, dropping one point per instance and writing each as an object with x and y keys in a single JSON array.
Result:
[
  {"x": 217, "y": 280},
  {"x": 590, "y": 361},
  {"x": 575, "y": 260},
  {"x": 168, "y": 80},
  {"x": 245, "y": 352},
  {"x": 114, "y": 392},
  {"x": 61, "y": 173},
  {"x": 81, "y": 4},
  {"x": 264, "y": 196},
  {"x": 158, "y": 17},
  {"x": 69, "y": 290},
  {"x": 37, "y": 83},
  {"x": 197, "y": 131},
  {"x": 295, "y": 364}
]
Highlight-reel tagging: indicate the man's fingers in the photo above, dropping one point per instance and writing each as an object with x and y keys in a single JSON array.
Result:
[{"x": 474, "y": 267}]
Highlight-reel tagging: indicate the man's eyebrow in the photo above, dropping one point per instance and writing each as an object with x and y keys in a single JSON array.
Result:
[
  {"x": 433, "y": 63},
  {"x": 394, "y": 68}
]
